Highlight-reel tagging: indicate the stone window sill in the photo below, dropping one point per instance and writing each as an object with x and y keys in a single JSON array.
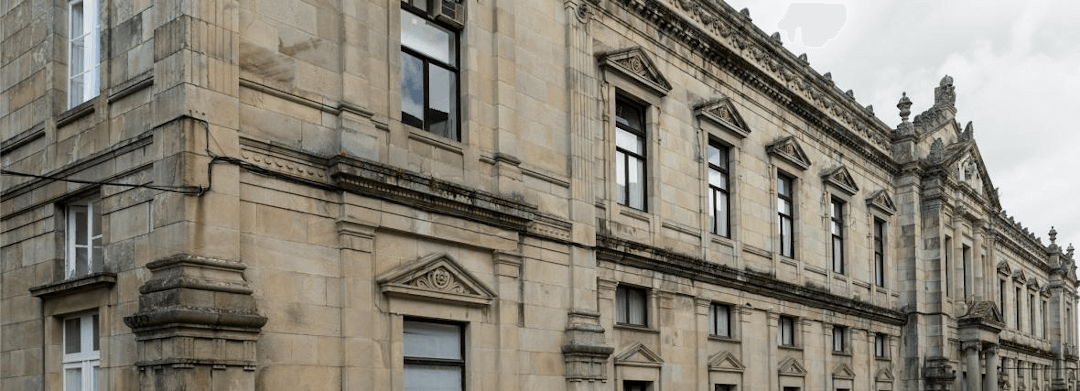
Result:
[
  {"x": 638, "y": 328},
  {"x": 790, "y": 347},
  {"x": 723, "y": 338},
  {"x": 74, "y": 285}
]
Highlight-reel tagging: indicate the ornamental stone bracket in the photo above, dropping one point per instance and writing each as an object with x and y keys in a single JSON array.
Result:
[{"x": 195, "y": 313}]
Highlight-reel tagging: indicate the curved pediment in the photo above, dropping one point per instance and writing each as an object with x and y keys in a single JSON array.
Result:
[
  {"x": 726, "y": 362},
  {"x": 723, "y": 113},
  {"x": 636, "y": 64},
  {"x": 788, "y": 149},
  {"x": 436, "y": 277}
]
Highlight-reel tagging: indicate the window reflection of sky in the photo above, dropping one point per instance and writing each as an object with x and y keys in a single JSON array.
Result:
[
  {"x": 412, "y": 89},
  {"x": 431, "y": 40}
]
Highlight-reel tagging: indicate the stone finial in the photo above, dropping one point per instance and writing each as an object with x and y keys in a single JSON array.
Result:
[
  {"x": 827, "y": 76},
  {"x": 969, "y": 132},
  {"x": 745, "y": 12},
  {"x": 945, "y": 93},
  {"x": 905, "y": 107},
  {"x": 1052, "y": 234},
  {"x": 850, "y": 93},
  {"x": 870, "y": 108},
  {"x": 804, "y": 59},
  {"x": 1069, "y": 250},
  {"x": 776, "y": 38}
]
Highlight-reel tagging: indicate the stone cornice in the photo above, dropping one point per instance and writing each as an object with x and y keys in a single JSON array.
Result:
[
  {"x": 428, "y": 193},
  {"x": 730, "y": 40},
  {"x": 634, "y": 254}
]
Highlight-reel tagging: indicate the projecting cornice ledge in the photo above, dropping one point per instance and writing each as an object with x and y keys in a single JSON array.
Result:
[
  {"x": 635, "y": 254},
  {"x": 429, "y": 193}
]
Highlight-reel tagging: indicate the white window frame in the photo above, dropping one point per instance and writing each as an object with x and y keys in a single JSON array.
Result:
[
  {"x": 90, "y": 55},
  {"x": 88, "y": 357},
  {"x": 92, "y": 242}
]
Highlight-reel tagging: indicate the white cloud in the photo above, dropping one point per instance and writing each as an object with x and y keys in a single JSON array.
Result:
[{"x": 1016, "y": 68}]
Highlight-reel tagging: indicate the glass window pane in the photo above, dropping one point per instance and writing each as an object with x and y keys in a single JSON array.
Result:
[
  {"x": 72, "y": 379},
  {"x": 412, "y": 90},
  {"x": 636, "y": 304},
  {"x": 620, "y": 305},
  {"x": 432, "y": 378},
  {"x": 713, "y": 210},
  {"x": 722, "y": 211},
  {"x": 718, "y": 179},
  {"x": 95, "y": 219},
  {"x": 782, "y": 186},
  {"x": 637, "y": 184},
  {"x": 72, "y": 335},
  {"x": 620, "y": 177},
  {"x": 428, "y": 38},
  {"x": 82, "y": 262},
  {"x": 441, "y": 116},
  {"x": 96, "y": 334},
  {"x": 785, "y": 234},
  {"x": 79, "y": 213},
  {"x": 432, "y": 340},
  {"x": 628, "y": 141},
  {"x": 94, "y": 380}
]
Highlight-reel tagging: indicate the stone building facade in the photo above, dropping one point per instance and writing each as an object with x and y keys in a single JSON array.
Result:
[{"x": 492, "y": 195}]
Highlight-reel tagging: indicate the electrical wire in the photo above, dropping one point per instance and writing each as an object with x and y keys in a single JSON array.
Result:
[{"x": 175, "y": 189}]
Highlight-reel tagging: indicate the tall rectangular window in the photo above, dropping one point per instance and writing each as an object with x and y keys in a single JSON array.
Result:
[
  {"x": 879, "y": 253},
  {"x": 631, "y": 306},
  {"x": 724, "y": 387},
  {"x": 83, "y": 51},
  {"x": 881, "y": 347},
  {"x": 84, "y": 253},
  {"x": 434, "y": 355},
  {"x": 1031, "y": 313},
  {"x": 786, "y": 331},
  {"x": 948, "y": 265},
  {"x": 1001, "y": 298},
  {"x": 637, "y": 385},
  {"x": 1017, "y": 314},
  {"x": 839, "y": 339},
  {"x": 630, "y": 153},
  {"x": 429, "y": 72},
  {"x": 1044, "y": 318},
  {"x": 719, "y": 215},
  {"x": 836, "y": 228},
  {"x": 965, "y": 258},
  {"x": 82, "y": 352},
  {"x": 720, "y": 320},
  {"x": 785, "y": 211}
]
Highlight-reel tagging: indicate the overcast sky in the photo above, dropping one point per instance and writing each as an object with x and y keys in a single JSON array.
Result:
[{"x": 1015, "y": 65}]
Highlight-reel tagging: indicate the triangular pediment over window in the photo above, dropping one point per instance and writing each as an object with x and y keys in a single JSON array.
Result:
[
  {"x": 634, "y": 63},
  {"x": 1034, "y": 284},
  {"x": 725, "y": 362},
  {"x": 1020, "y": 276},
  {"x": 436, "y": 277},
  {"x": 1003, "y": 268},
  {"x": 884, "y": 375},
  {"x": 841, "y": 178},
  {"x": 723, "y": 113},
  {"x": 789, "y": 150},
  {"x": 792, "y": 367},
  {"x": 882, "y": 201},
  {"x": 639, "y": 355},
  {"x": 843, "y": 371}
]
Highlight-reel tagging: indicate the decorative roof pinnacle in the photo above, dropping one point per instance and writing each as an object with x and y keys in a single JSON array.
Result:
[{"x": 905, "y": 107}]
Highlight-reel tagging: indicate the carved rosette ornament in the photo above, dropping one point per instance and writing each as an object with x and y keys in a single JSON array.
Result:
[{"x": 440, "y": 279}]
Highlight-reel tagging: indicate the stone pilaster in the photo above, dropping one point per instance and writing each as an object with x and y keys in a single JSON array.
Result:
[{"x": 196, "y": 327}]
